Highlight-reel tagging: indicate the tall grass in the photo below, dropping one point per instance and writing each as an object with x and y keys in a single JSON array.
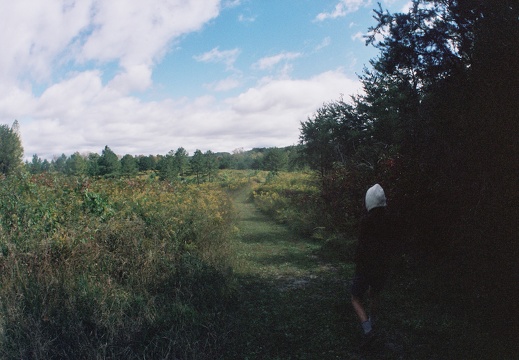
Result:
[
  {"x": 112, "y": 268},
  {"x": 292, "y": 199}
]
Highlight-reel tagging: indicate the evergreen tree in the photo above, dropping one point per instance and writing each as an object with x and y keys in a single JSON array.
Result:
[
  {"x": 58, "y": 163},
  {"x": 36, "y": 165},
  {"x": 275, "y": 160},
  {"x": 182, "y": 160},
  {"x": 168, "y": 169},
  {"x": 11, "y": 150},
  {"x": 109, "y": 164},
  {"x": 93, "y": 164},
  {"x": 76, "y": 165},
  {"x": 146, "y": 163},
  {"x": 211, "y": 164},
  {"x": 197, "y": 164},
  {"x": 128, "y": 165}
]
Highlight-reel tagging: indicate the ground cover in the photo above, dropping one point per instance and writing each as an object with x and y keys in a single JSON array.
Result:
[{"x": 293, "y": 302}]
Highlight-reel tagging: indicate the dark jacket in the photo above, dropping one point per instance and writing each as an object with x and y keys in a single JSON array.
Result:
[{"x": 377, "y": 242}]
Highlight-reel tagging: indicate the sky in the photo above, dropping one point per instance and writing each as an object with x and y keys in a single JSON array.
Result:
[{"x": 149, "y": 76}]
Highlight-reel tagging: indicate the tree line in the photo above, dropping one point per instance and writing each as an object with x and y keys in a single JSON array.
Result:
[{"x": 176, "y": 164}]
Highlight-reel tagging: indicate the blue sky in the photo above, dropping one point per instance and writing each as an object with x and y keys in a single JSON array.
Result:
[{"x": 146, "y": 77}]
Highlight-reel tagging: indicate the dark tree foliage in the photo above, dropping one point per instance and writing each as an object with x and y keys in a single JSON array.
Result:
[
  {"x": 59, "y": 163},
  {"x": 332, "y": 136},
  {"x": 275, "y": 160},
  {"x": 93, "y": 164},
  {"x": 146, "y": 163},
  {"x": 168, "y": 169},
  {"x": 36, "y": 165},
  {"x": 437, "y": 126},
  {"x": 197, "y": 163},
  {"x": 129, "y": 166},
  {"x": 11, "y": 150},
  {"x": 76, "y": 165},
  {"x": 182, "y": 160}
]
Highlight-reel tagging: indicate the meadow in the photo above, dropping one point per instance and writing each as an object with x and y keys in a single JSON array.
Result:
[
  {"x": 244, "y": 267},
  {"x": 113, "y": 268}
]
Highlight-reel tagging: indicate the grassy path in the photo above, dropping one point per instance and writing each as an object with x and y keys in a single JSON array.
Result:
[{"x": 293, "y": 304}]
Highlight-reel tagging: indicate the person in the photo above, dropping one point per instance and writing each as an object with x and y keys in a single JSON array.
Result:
[{"x": 376, "y": 243}]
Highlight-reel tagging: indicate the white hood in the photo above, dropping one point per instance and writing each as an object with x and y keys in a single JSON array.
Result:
[{"x": 375, "y": 197}]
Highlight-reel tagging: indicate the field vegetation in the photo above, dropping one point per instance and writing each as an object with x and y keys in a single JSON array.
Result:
[{"x": 112, "y": 268}]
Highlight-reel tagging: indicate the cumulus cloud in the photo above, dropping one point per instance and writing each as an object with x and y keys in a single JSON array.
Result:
[
  {"x": 60, "y": 47},
  {"x": 35, "y": 36},
  {"x": 80, "y": 114},
  {"x": 343, "y": 8},
  {"x": 118, "y": 28}
]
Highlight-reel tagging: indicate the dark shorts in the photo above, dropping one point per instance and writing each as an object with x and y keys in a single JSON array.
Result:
[{"x": 362, "y": 283}]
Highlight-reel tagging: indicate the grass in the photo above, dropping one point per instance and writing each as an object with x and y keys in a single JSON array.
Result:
[
  {"x": 141, "y": 269},
  {"x": 294, "y": 303}
]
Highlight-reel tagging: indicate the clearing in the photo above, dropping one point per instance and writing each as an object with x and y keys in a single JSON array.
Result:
[{"x": 294, "y": 303}]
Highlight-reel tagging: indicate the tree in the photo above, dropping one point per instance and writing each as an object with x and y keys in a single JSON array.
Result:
[
  {"x": 93, "y": 164},
  {"x": 197, "y": 164},
  {"x": 438, "y": 122},
  {"x": 210, "y": 164},
  {"x": 76, "y": 165},
  {"x": 11, "y": 150},
  {"x": 109, "y": 164},
  {"x": 128, "y": 165},
  {"x": 36, "y": 165},
  {"x": 182, "y": 160},
  {"x": 146, "y": 163},
  {"x": 58, "y": 163},
  {"x": 332, "y": 136},
  {"x": 168, "y": 169},
  {"x": 275, "y": 160}
]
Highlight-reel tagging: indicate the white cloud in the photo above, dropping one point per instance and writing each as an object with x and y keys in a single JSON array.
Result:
[
  {"x": 135, "y": 78},
  {"x": 343, "y": 8},
  {"x": 359, "y": 36},
  {"x": 53, "y": 81},
  {"x": 119, "y": 25},
  {"x": 246, "y": 19},
  {"x": 34, "y": 33},
  {"x": 225, "y": 84},
  {"x": 271, "y": 61},
  {"x": 80, "y": 114},
  {"x": 231, "y": 3},
  {"x": 228, "y": 57},
  {"x": 37, "y": 35},
  {"x": 325, "y": 43}
]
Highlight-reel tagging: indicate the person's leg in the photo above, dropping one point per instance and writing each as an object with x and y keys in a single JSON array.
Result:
[
  {"x": 374, "y": 296},
  {"x": 373, "y": 306},
  {"x": 359, "y": 308},
  {"x": 358, "y": 289}
]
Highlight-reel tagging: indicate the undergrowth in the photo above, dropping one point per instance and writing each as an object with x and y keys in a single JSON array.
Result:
[{"x": 113, "y": 268}]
